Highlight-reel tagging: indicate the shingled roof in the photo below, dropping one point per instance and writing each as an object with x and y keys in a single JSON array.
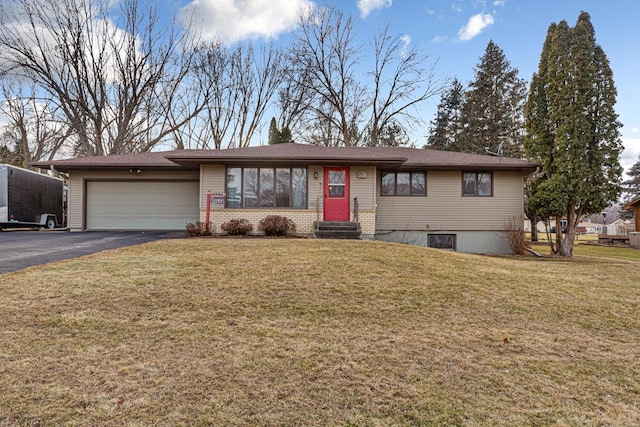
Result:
[
  {"x": 296, "y": 154},
  {"x": 116, "y": 161}
]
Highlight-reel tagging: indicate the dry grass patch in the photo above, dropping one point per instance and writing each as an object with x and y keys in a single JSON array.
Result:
[{"x": 308, "y": 332}]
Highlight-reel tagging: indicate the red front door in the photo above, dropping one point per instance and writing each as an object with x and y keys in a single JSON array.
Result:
[{"x": 336, "y": 194}]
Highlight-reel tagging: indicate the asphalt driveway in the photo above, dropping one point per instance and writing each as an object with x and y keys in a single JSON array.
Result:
[{"x": 22, "y": 249}]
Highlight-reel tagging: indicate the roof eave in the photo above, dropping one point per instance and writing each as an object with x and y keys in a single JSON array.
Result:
[
  {"x": 632, "y": 204},
  {"x": 250, "y": 161},
  {"x": 526, "y": 168},
  {"x": 65, "y": 168}
]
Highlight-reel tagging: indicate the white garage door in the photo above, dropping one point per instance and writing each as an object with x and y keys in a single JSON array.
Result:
[{"x": 145, "y": 205}]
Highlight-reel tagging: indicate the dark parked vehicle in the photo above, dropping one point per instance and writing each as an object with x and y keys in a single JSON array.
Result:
[{"x": 30, "y": 199}]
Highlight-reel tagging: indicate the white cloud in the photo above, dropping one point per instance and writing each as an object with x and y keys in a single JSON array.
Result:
[
  {"x": 367, "y": 6},
  {"x": 475, "y": 26},
  {"x": 498, "y": 3},
  {"x": 406, "y": 39},
  {"x": 631, "y": 152},
  {"x": 234, "y": 20}
]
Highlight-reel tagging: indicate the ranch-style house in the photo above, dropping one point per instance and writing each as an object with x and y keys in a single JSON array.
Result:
[{"x": 448, "y": 200}]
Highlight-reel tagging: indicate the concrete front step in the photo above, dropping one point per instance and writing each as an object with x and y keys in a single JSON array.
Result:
[
  {"x": 337, "y": 230},
  {"x": 335, "y": 225},
  {"x": 333, "y": 234}
]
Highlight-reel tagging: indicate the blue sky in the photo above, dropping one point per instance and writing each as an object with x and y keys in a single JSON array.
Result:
[{"x": 456, "y": 33}]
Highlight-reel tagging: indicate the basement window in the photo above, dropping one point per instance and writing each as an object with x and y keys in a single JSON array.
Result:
[{"x": 442, "y": 241}]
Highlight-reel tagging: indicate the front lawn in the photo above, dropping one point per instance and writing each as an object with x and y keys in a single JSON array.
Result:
[{"x": 318, "y": 332}]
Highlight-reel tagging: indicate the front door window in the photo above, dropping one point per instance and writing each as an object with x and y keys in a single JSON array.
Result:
[{"x": 337, "y": 183}]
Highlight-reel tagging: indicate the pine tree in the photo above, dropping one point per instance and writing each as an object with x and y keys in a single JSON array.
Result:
[
  {"x": 285, "y": 135},
  {"x": 274, "y": 133},
  {"x": 572, "y": 128},
  {"x": 392, "y": 135},
  {"x": 631, "y": 187},
  {"x": 446, "y": 126},
  {"x": 492, "y": 114}
]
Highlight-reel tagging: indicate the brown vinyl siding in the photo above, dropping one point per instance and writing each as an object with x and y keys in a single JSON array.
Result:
[
  {"x": 211, "y": 179},
  {"x": 363, "y": 188},
  {"x": 75, "y": 201},
  {"x": 315, "y": 190},
  {"x": 445, "y": 208}
]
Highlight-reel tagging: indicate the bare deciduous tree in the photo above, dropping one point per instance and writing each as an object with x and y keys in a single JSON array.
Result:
[
  {"x": 324, "y": 87},
  {"x": 292, "y": 99},
  {"x": 257, "y": 78},
  {"x": 323, "y": 59},
  {"x": 401, "y": 81},
  {"x": 115, "y": 75},
  {"x": 32, "y": 131},
  {"x": 242, "y": 82}
]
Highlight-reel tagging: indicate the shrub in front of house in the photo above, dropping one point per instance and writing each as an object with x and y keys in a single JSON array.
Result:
[
  {"x": 199, "y": 228},
  {"x": 515, "y": 235},
  {"x": 237, "y": 227},
  {"x": 276, "y": 225}
]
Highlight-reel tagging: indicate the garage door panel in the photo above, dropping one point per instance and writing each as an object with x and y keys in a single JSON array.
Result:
[{"x": 141, "y": 205}]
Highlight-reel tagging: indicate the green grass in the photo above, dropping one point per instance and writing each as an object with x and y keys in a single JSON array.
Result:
[
  {"x": 609, "y": 252},
  {"x": 584, "y": 248},
  {"x": 309, "y": 332}
]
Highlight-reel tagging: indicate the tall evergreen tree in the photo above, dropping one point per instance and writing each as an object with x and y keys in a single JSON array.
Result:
[
  {"x": 631, "y": 186},
  {"x": 274, "y": 133},
  {"x": 492, "y": 114},
  {"x": 277, "y": 136},
  {"x": 572, "y": 129},
  {"x": 446, "y": 125},
  {"x": 285, "y": 135},
  {"x": 392, "y": 135}
]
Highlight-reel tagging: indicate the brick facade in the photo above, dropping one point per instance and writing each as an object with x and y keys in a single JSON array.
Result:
[{"x": 303, "y": 219}]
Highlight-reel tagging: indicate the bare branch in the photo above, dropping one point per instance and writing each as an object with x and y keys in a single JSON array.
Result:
[
  {"x": 401, "y": 82},
  {"x": 114, "y": 74},
  {"x": 323, "y": 60}
]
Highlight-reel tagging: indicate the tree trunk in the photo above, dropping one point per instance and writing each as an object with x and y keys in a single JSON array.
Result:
[
  {"x": 559, "y": 239},
  {"x": 534, "y": 227},
  {"x": 566, "y": 248}
]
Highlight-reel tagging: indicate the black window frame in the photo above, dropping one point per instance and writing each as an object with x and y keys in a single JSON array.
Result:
[
  {"x": 477, "y": 184},
  {"x": 259, "y": 198},
  {"x": 453, "y": 237},
  {"x": 395, "y": 183}
]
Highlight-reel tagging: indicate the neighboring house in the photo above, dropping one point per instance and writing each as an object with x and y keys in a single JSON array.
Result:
[
  {"x": 619, "y": 227},
  {"x": 540, "y": 226},
  {"x": 433, "y": 198},
  {"x": 634, "y": 206},
  {"x": 634, "y": 237},
  {"x": 591, "y": 227},
  {"x": 582, "y": 228}
]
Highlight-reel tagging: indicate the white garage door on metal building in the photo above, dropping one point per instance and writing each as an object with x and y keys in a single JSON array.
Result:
[{"x": 141, "y": 205}]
